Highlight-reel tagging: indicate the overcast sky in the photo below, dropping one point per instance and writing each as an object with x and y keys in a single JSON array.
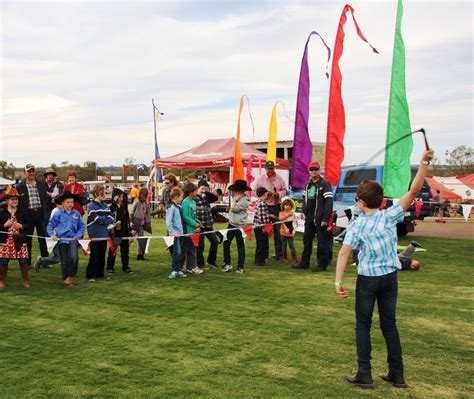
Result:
[{"x": 77, "y": 78}]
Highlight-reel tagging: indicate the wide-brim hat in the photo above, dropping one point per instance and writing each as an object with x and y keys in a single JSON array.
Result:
[
  {"x": 64, "y": 196},
  {"x": 116, "y": 192},
  {"x": 11, "y": 192},
  {"x": 240, "y": 186},
  {"x": 49, "y": 171}
]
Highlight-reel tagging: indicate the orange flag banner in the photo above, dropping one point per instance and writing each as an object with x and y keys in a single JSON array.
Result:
[{"x": 238, "y": 173}]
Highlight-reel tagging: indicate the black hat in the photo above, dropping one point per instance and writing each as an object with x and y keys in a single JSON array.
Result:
[
  {"x": 269, "y": 165},
  {"x": 49, "y": 171},
  {"x": 116, "y": 192},
  {"x": 67, "y": 194},
  {"x": 239, "y": 186},
  {"x": 203, "y": 182},
  {"x": 261, "y": 191}
]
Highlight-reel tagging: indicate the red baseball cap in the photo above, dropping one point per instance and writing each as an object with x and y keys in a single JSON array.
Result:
[{"x": 314, "y": 165}]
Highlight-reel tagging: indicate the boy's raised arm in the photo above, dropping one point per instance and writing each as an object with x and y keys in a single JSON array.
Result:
[{"x": 418, "y": 181}]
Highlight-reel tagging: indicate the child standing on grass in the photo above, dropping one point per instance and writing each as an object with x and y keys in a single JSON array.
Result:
[
  {"x": 174, "y": 223},
  {"x": 287, "y": 231},
  {"x": 237, "y": 220},
  {"x": 260, "y": 218},
  {"x": 374, "y": 233},
  {"x": 191, "y": 225},
  {"x": 99, "y": 218},
  {"x": 141, "y": 221},
  {"x": 67, "y": 226}
]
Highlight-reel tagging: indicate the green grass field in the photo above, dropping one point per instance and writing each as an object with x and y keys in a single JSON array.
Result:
[{"x": 272, "y": 332}]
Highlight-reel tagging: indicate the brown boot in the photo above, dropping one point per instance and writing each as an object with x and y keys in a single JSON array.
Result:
[
  {"x": 284, "y": 258},
  {"x": 24, "y": 276},
  {"x": 3, "y": 278},
  {"x": 294, "y": 259}
]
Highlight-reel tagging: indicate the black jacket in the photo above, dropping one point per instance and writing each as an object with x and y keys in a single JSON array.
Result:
[
  {"x": 25, "y": 198},
  {"x": 21, "y": 218},
  {"x": 324, "y": 200}
]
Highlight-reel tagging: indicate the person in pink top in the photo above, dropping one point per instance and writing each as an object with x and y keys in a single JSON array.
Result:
[{"x": 276, "y": 187}]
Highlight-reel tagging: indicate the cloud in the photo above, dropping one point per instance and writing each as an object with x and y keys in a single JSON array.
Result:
[{"x": 78, "y": 77}]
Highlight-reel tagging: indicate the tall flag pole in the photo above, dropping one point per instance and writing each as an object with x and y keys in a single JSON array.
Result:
[
  {"x": 336, "y": 127},
  {"x": 302, "y": 146},
  {"x": 156, "y": 116},
  {"x": 238, "y": 173},
  {"x": 397, "y": 170}
]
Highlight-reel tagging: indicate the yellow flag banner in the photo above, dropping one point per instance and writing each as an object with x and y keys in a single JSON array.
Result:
[
  {"x": 239, "y": 173},
  {"x": 273, "y": 133}
]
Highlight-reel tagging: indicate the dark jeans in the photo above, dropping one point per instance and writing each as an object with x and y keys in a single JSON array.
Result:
[
  {"x": 96, "y": 265},
  {"x": 288, "y": 242},
  {"x": 36, "y": 221},
  {"x": 124, "y": 254},
  {"x": 50, "y": 260},
  {"x": 382, "y": 289},
  {"x": 237, "y": 234},
  {"x": 189, "y": 251},
  {"x": 324, "y": 254},
  {"x": 177, "y": 260},
  {"x": 211, "y": 257},
  {"x": 4, "y": 263},
  {"x": 275, "y": 210},
  {"x": 261, "y": 250},
  {"x": 69, "y": 259}
]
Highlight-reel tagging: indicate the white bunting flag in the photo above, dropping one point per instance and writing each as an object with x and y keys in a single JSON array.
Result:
[
  {"x": 50, "y": 244},
  {"x": 244, "y": 234},
  {"x": 85, "y": 245},
  {"x": 147, "y": 245},
  {"x": 224, "y": 234},
  {"x": 169, "y": 240},
  {"x": 466, "y": 211}
]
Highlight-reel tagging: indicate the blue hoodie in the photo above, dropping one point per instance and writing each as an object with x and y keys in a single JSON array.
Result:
[{"x": 98, "y": 218}]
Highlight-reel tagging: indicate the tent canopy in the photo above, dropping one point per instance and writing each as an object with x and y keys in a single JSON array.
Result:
[
  {"x": 468, "y": 180},
  {"x": 445, "y": 191},
  {"x": 216, "y": 153}
]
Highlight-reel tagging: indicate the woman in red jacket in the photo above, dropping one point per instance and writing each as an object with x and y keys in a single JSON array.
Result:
[{"x": 75, "y": 188}]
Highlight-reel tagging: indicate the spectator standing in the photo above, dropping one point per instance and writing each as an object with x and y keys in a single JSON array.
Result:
[
  {"x": 53, "y": 190},
  {"x": 276, "y": 187},
  {"x": 141, "y": 221},
  {"x": 76, "y": 188},
  {"x": 175, "y": 225},
  {"x": 192, "y": 225},
  {"x": 261, "y": 218},
  {"x": 33, "y": 201}
]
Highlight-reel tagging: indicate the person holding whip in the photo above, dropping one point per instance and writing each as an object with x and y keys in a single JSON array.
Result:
[{"x": 374, "y": 234}]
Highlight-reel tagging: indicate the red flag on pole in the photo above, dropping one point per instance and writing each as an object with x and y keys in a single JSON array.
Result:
[{"x": 336, "y": 116}]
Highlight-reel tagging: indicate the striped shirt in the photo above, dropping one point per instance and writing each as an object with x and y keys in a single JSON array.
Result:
[
  {"x": 375, "y": 236},
  {"x": 261, "y": 213},
  {"x": 33, "y": 194}
]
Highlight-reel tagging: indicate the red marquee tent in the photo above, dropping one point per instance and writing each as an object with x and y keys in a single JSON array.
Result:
[
  {"x": 216, "y": 153},
  {"x": 445, "y": 191}
]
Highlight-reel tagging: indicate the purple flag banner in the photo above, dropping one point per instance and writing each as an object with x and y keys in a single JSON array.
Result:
[{"x": 302, "y": 146}]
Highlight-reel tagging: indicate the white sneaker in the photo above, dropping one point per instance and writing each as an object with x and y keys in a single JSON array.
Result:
[
  {"x": 197, "y": 270},
  {"x": 240, "y": 271},
  {"x": 181, "y": 274},
  {"x": 227, "y": 268},
  {"x": 173, "y": 275}
]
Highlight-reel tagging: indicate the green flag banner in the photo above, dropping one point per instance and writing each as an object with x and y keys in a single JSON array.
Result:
[{"x": 397, "y": 171}]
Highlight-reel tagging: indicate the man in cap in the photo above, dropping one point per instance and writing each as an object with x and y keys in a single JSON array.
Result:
[
  {"x": 317, "y": 209},
  {"x": 33, "y": 200},
  {"x": 276, "y": 187}
]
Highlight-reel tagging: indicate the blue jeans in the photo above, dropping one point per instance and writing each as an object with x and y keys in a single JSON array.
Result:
[
  {"x": 382, "y": 289},
  {"x": 50, "y": 260},
  {"x": 177, "y": 260},
  {"x": 189, "y": 252},
  {"x": 69, "y": 259},
  {"x": 240, "y": 247}
]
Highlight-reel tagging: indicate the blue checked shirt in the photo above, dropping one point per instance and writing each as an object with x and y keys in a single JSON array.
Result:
[{"x": 376, "y": 237}]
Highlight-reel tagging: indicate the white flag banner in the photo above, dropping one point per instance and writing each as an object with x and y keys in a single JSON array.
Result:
[
  {"x": 466, "y": 211},
  {"x": 147, "y": 245},
  {"x": 244, "y": 234},
  {"x": 169, "y": 240},
  {"x": 84, "y": 245},
  {"x": 50, "y": 244},
  {"x": 224, "y": 234}
]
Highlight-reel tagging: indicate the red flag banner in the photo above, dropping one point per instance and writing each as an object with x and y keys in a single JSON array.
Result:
[
  {"x": 268, "y": 228},
  {"x": 248, "y": 231},
  {"x": 418, "y": 206},
  {"x": 111, "y": 246},
  {"x": 336, "y": 116},
  {"x": 195, "y": 239}
]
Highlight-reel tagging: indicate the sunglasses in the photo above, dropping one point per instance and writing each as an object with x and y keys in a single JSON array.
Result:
[{"x": 313, "y": 169}]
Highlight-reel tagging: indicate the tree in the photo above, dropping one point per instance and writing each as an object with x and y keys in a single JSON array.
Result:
[
  {"x": 7, "y": 170},
  {"x": 460, "y": 160}
]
